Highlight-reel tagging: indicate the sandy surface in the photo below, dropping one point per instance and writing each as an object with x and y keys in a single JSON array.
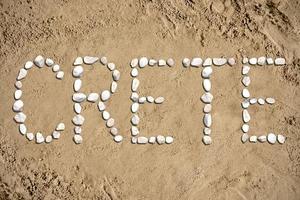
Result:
[{"x": 122, "y": 30}]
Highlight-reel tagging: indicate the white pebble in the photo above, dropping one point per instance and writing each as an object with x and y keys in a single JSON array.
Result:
[
  {"x": 253, "y": 139},
  {"x": 207, "y": 108},
  {"x": 231, "y": 61},
  {"x": 207, "y": 131},
  {"x": 93, "y": 97},
  {"x": 135, "y": 120},
  {"x": 261, "y": 60},
  {"x": 55, "y": 68},
  {"x": 30, "y": 136},
  {"x": 134, "y": 62},
  {"x": 79, "y": 97},
  {"x": 48, "y": 139},
  {"x": 246, "y": 81},
  {"x": 271, "y": 138},
  {"x": 135, "y": 107},
  {"x": 101, "y": 106},
  {"x": 18, "y": 106},
  {"x": 142, "y": 140},
  {"x": 18, "y": 84},
  {"x": 196, "y": 62},
  {"x": 89, "y": 60},
  {"x": 207, "y": 120},
  {"x": 279, "y": 61},
  {"x": 49, "y": 62},
  {"x": 160, "y": 139},
  {"x": 152, "y": 140},
  {"x": 134, "y": 97},
  {"x": 159, "y": 100},
  {"x": 116, "y": 75},
  {"x": 135, "y": 84},
  {"x": 22, "y": 129},
  {"x": 134, "y": 131},
  {"x": 246, "y": 116},
  {"x": 78, "y": 61},
  {"x": 206, "y": 85},
  {"x": 77, "y": 108},
  {"x": 22, "y": 74},
  {"x": 270, "y": 61},
  {"x": 77, "y": 139},
  {"x": 207, "y": 140},
  {"x": 245, "y": 128},
  {"x": 270, "y": 100},
  {"x": 245, "y": 137},
  {"x": 20, "y": 117},
  {"x": 77, "y": 71},
  {"x": 169, "y": 140},
  {"x": 60, "y": 127},
  {"x": 161, "y": 62},
  {"x": 78, "y": 120},
  {"x": 262, "y": 138},
  {"x": 105, "y": 115},
  {"x": 245, "y": 60},
  {"x": 186, "y": 62},
  {"x": 245, "y": 93},
  {"x": 18, "y": 94},
  {"x": 142, "y": 100},
  {"x": 134, "y": 72},
  {"x": 245, "y": 69},
  {"x": 253, "y": 61},
  {"x": 219, "y": 61},
  {"x": 56, "y": 135},
  {"x": 60, "y": 75},
  {"x": 150, "y": 99},
  {"x": 39, "y": 61},
  {"x": 143, "y": 62},
  {"x": 39, "y": 138},
  {"x": 77, "y": 85},
  {"x": 207, "y": 62},
  {"x": 253, "y": 101},
  {"x": 105, "y": 95},
  {"x": 280, "y": 139},
  {"x": 206, "y": 72},
  {"x": 113, "y": 87},
  {"x": 103, "y": 60},
  {"x": 114, "y": 131},
  {"x": 77, "y": 130},
  {"x": 110, "y": 122},
  {"x": 111, "y": 66},
  {"x": 245, "y": 104},
  {"x": 152, "y": 62},
  {"x": 261, "y": 101},
  {"x": 118, "y": 138},
  {"x": 28, "y": 65},
  {"x": 170, "y": 62},
  {"x": 207, "y": 97}
]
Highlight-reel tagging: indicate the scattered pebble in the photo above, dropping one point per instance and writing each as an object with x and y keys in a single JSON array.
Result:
[
  {"x": 245, "y": 137},
  {"x": 161, "y": 62},
  {"x": 116, "y": 75},
  {"x": 142, "y": 140},
  {"x": 77, "y": 85},
  {"x": 103, "y": 60},
  {"x": 39, "y": 138},
  {"x": 89, "y": 60},
  {"x": 170, "y": 62},
  {"x": 207, "y": 120},
  {"x": 206, "y": 85},
  {"x": 56, "y": 135},
  {"x": 22, "y": 129},
  {"x": 20, "y": 117},
  {"x": 49, "y": 62},
  {"x": 113, "y": 87},
  {"x": 134, "y": 131},
  {"x": 271, "y": 138},
  {"x": 105, "y": 115},
  {"x": 206, "y": 72},
  {"x": 207, "y": 97},
  {"x": 169, "y": 140},
  {"x": 101, "y": 106},
  {"x": 39, "y": 61},
  {"x": 207, "y": 62},
  {"x": 134, "y": 72},
  {"x": 28, "y": 65},
  {"x": 261, "y": 60},
  {"x": 78, "y": 61},
  {"x": 18, "y": 106},
  {"x": 261, "y": 101},
  {"x": 270, "y": 61},
  {"x": 246, "y": 116},
  {"x": 77, "y": 139},
  {"x": 135, "y": 119},
  {"x": 262, "y": 138},
  {"x": 231, "y": 61},
  {"x": 30, "y": 136},
  {"x": 245, "y": 69},
  {"x": 196, "y": 62},
  {"x": 135, "y": 84},
  {"x": 60, "y": 127},
  {"x": 253, "y": 139},
  {"x": 245, "y": 128},
  {"x": 159, "y": 100},
  {"x": 253, "y": 61},
  {"x": 79, "y": 97},
  {"x": 280, "y": 138},
  {"x": 186, "y": 62},
  {"x": 246, "y": 81},
  {"x": 279, "y": 61},
  {"x": 48, "y": 139},
  {"x": 219, "y": 61},
  {"x": 160, "y": 139},
  {"x": 77, "y": 71},
  {"x": 118, "y": 138},
  {"x": 105, "y": 95},
  {"x": 60, "y": 75},
  {"x": 18, "y": 94},
  {"x": 93, "y": 97},
  {"x": 22, "y": 74},
  {"x": 134, "y": 62},
  {"x": 143, "y": 62},
  {"x": 245, "y": 93},
  {"x": 55, "y": 68},
  {"x": 270, "y": 100},
  {"x": 207, "y": 108},
  {"x": 78, "y": 120},
  {"x": 207, "y": 140},
  {"x": 111, "y": 66}
]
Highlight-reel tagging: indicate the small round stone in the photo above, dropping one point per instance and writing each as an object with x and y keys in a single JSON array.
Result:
[
  {"x": 261, "y": 101},
  {"x": 134, "y": 97},
  {"x": 48, "y": 139},
  {"x": 56, "y": 135},
  {"x": 207, "y": 140},
  {"x": 134, "y": 62},
  {"x": 186, "y": 62},
  {"x": 39, "y": 138},
  {"x": 169, "y": 140},
  {"x": 110, "y": 122},
  {"x": 262, "y": 138},
  {"x": 114, "y": 131},
  {"x": 103, "y": 60},
  {"x": 280, "y": 139},
  {"x": 253, "y": 61},
  {"x": 170, "y": 62},
  {"x": 143, "y": 62},
  {"x": 150, "y": 99},
  {"x": 105, "y": 115},
  {"x": 245, "y": 137},
  {"x": 271, "y": 138},
  {"x": 207, "y": 108},
  {"x": 60, "y": 75},
  {"x": 60, "y": 127},
  {"x": 18, "y": 94},
  {"x": 77, "y": 130},
  {"x": 159, "y": 100},
  {"x": 135, "y": 119},
  {"x": 160, "y": 139},
  {"x": 77, "y": 139},
  {"x": 134, "y": 72},
  {"x": 134, "y": 131},
  {"x": 30, "y": 136},
  {"x": 253, "y": 139},
  {"x": 207, "y": 131},
  {"x": 101, "y": 106},
  {"x": 142, "y": 100},
  {"x": 105, "y": 95},
  {"x": 18, "y": 84},
  {"x": 231, "y": 61},
  {"x": 270, "y": 100},
  {"x": 245, "y": 93},
  {"x": 118, "y": 138},
  {"x": 245, "y": 128},
  {"x": 55, "y": 68}
]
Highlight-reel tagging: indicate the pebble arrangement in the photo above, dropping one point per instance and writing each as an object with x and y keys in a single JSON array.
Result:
[
  {"x": 101, "y": 99},
  {"x": 18, "y": 106},
  {"x": 248, "y": 101},
  {"x": 137, "y": 100}
]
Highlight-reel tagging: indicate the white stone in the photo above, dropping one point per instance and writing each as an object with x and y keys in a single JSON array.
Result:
[
  {"x": 262, "y": 138},
  {"x": 56, "y": 135},
  {"x": 101, "y": 106},
  {"x": 261, "y": 101},
  {"x": 134, "y": 131},
  {"x": 134, "y": 72},
  {"x": 60, "y": 75},
  {"x": 110, "y": 122},
  {"x": 116, "y": 75},
  {"x": 118, "y": 138},
  {"x": 245, "y": 104},
  {"x": 206, "y": 72},
  {"x": 78, "y": 120},
  {"x": 135, "y": 107},
  {"x": 161, "y": 62},
  {"x": 89, "y": 60},
  {"x": 77, "y": 108},
  {"x": 270, "y": 100},
  {"x": 111, "y": 66},
  {"x": 39, "y": 138},
  {"x": 207, "y": 131},
  {"x": 79, "y": 97},
  {"x": 253, "y": 101},
  {"x": 134, "y": 62},
  {"x": 253, "y": 139},
  {"x": 246, "y": 81},
  {"x": 207, "y": 108},
  {"x": 28, "y": 65},
  {"x": 280, "y": 139},
  {"x": 196, "y": 62},
  {"x": 246, "y": 116},
  {"x": 77, "y": 139},
  {"x": 142, "y": 140},
  {"x": 160, "y": 139},
  {"x": 245, "y": 137},
  {"x": 152, "y": 62},
  {"x": 219, "y": 61},
  {"x": 159, "y": 100},
  {"x": 22, "y": 129},
  {"x": 49, "y": 62},
  {"x": 170, "y": 62},
  {"x": 18, "y": 106},
  {"x": 143, "y": 62},
  {"x": 60, "y": 127},
  {"x": 207, "y": 97},
  {"x": 78, "y": 61},
  {"x": 152, "y": 140},
  {"x": 103, "y": 60},
  {"x": 30, "y": 136},
  {"x": 253, "y": 61},
  {"x": 105, "y": 95},
  {"x": 18, "y": 84},
  {"x": 245, "y": 128},
  {"x": 105, "y": 115},
  {"x": 18, "y": 94},
  {"x": 93, "y": 97},
  {"x": 134, "y": 96},
  {"x": 22, "y": 74},
  {"x": 135, "y": 120},
  {"x": 150, "y": 99},
  {"x": 206, "y": 85},
  {"x": 245, "y": 60},
  {"x": 169, "y": 140},
  {"x": 135, "y": 84},
  {"x": 271, "y": 138},
  {"x": 245, "y": 69},
  {"x": 207, "y": 140},
  {"x": 207, "y": 120},
  {"x": 20, "y": 117},
  {"x": 207, "y": 62},
  {"x": 39, "y": 61},
  {"x": 77, "y": 71},
  {"x": 270, "y": 61},
  {"x": 231, "y": 61},
  {"x": 113, "y": 86},
  {"x": 261, "y": 60},
  {"x": 186, "y": 62},
  {"x": 245, "y": 93},
  {"x": 77, "y": 85},
  {"x": 77, "y": 130},
  {"x": 48, "y": 139},
  {"x": 279, "y": 61},
  {"x": 142, "y": 100},
  {"x": 114, "y": 131},
  {"x": 55, "y": 68}
]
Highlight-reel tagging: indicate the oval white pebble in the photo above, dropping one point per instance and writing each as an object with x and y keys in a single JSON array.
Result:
[
  {"x": 160, "y": 139},
  {"x": 245, "y": 93},
  {"x": 245, "y": 128},
  {"x": 207, "y": 97},
  {"x": 60, "y": 127},
  {"x": 207, "y": 62},
  {"x": 142, "y": 140},
  {"x": 253, "y": 61},
  {"x": 105, "y": 115},
  {"x": 135, "y": 84},
  {"x": 159, "y": 100},
  {"x": 245, "y": 70},
  {"x": 134, "y": 131},
  {"x": 135, "y": 107},
  {"x": 245, "y": 137},
  {"x": 22, "y": 129},
  {"x": 270, "y": 100},
  {"x": 78, "y": 120},
  {"x": 118, "y": 138},
  {"x": 22, "y": 74},
  {"x": 101, "y": 106},
  {"x": 207, "y": 108},
  {"x": 28, "y": 65},
  {"x": 186, "y": 62},
  {"x": 78, "y": 61},
  {"x": 206, "y": 85},
  {"x": 79, "y": 97},
  {"x": 77, "y": 139},
  {"x": 93, "y": 97},
  {"x": 219, "y": 61},
  {"x": 113, "y": 87},
  {"x": 77, "y": 85},
  {"x": 18, "y": 106},
  {"x": 143, "y": 62},
  {"x": 39, "y": 61},
  {"x": 196, "y": 62},
  {"x": 135, "y": 119},
  {"x": 169, "y": 140},
  {"x": 280, "y": 139},
  {"x": 20, "y": 117},
  {"x": 134, "y": 62},
  {"x": 134, "y": 72},
  {"x": 48, "y": 139},
  {"x": 77, "y": 71},
  {"x": 89, "y": 60},
  {"x": 246, "y": 116},
  {"x": 271, "y": 138},
  {"x": 18, "y": 94},
  {"x": 60, "y": 75},
  {"x": 39, "y": 138},
  {"x": 206, "y": 72},
  {"x": 207, "y": 140},
  {"x": 30, "y": 136},
  {"x": 105, "y": 95},
  {"x": 55, "y": 68}
]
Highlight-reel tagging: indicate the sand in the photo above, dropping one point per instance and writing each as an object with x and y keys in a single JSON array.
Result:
[{"x": 101, "y": 169}]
